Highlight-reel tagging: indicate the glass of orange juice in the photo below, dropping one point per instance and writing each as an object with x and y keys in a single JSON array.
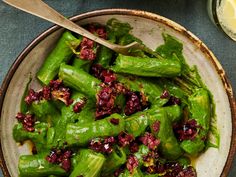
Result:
[{"x": 223, "y": 14}]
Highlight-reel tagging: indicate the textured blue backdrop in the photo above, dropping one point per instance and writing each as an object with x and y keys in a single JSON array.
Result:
[{"x": 17, "y": 28}]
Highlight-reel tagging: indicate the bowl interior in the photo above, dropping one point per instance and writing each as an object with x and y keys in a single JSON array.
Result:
[{"x": 149, "y": 29}]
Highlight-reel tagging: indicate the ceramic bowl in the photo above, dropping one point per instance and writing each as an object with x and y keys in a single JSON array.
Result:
[{"x": 148, "y": 27}]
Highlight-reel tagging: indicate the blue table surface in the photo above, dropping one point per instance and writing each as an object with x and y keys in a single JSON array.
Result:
[{"x": 17, "y": 28}]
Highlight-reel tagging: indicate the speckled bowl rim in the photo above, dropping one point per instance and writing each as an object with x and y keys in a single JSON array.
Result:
[{"x": 209, "y": 55}]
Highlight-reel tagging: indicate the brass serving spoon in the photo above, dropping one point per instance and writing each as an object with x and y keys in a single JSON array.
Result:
[{"x": 42, "y": 10}]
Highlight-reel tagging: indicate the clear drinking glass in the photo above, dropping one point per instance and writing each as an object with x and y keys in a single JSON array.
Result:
[{"x": 223, "y": 14}]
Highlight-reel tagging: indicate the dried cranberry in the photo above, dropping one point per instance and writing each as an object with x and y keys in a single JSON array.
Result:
[
  {"x": 132, "y": 163},
  {"x": 55, "y": 84},
  {"x": 173, "y": 101},
  {"x": 105, "y": 75},
  {"x": 187, "y": 172},
  {"x": 96, "y": 70},
  {"x": 114, "y": 121},
  {"x": 172, "y": 169},
  {"x": 52, "y": 158},
  {"x": 66, "y": 164},
  {"x": 102, "y": 146},
  {"x": 133, "y": 104},
  {"x": 31, "y": 97},
  {"x": 88, "y": 54},
  {"x": 125, "y": 139},
  {"x": 101, "y": 32},
  {"x": 156, "y": 126},
  {"x": 109, "y": 139},
  {"x": 78, "y": 106},
  {"x": 134, "y": 147},
  {"x": 108, "y": 76},
  {"x": 87, "y": 43},
  {"x": 46, "y": 93},
  {"x": 165, "y": 94},
  {"x": 187, "y": 130},
  {"x": 27, "y": 120},
  {"x": 96, "y": 145},
  {"x": 118, "y": 171},
  {"x": 160, "y": 167},
  {"x": 105, "y": 103},
  {"x": 20, "y": 116},
  {"x": 62, "y": 157},
  {"x": 149, "y": 140}
]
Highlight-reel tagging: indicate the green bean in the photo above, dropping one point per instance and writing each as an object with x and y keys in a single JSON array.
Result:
[
  {"x": 79, "y": 80},
  {"x": 137, "y": 123},
  {"x": 89, "y": 164},
  {"x": 151, "y": 67},
  {"x": 45, "y": 111},
  {"x": 81, "y": 134},
  {"x": 38, "y": 136},
  {"x": 38, "y": 166},
  {"x": 113, "y": 161},
  {"x": 174, "y": 113},
  {"x": 56, "y": 135},
  {"x": 169, "y": 146},
  {"x": 87, "y": 113},
  {"x": 200, "y": 110},
  {"x": 61, "y": 53},
  {"x": 82, "y": 64},
  {"x": 144, "y": 85},
  {"x": 104, "y": 56}
]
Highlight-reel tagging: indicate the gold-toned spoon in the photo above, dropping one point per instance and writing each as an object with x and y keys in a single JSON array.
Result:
[{"x": 42, "y": 10}]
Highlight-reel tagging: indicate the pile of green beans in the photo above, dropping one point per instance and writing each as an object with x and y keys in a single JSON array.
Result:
[{"x": 159, "y": 80}]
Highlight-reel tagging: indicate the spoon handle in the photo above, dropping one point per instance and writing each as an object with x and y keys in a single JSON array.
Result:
[{"x": 42, "y": 10}]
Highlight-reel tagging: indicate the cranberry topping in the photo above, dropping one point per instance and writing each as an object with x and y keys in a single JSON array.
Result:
[
  {"x": 133, "y": 104},
  {"x": 87, "y": 43},
  {"x": 55, "y": 84},
  {"x": 78, "y": 106},
  {"x": 173, "y": 101},
  {"x": 160, "y": 167},
  {"x": 61, "y": 157},
  {"x": 105, "y": 75},
  {"x": 32, "y": 96},
  {"x": 165, "y": 94},
  {"x": 156, "y": 126},
  {"x": 187, "y": 172},
  {"x": 125, "y": 139},
  {"x": 87, "y": 46},
  {"x": 150, "y": 141},
  {"x": 55, "y": 90},
  {"x": 105, "y": 103},
  {"x": 102, "y": 145},
  {"x": 63, "y": 94},
  {"x": 28, "y": 121},
  {"x": 134, "y": 147},
  {"x": 132, "y": 163},
  {"x": 98, "y": 30},
  {"x": 60, "y": 92},
  {"x": 172, "y": 169},
  {"x": 46, "y": 93},
  {"x": 118, "y": 171},
  {"x": 187, "y": 130},
  {"x": 114, "y": 121},
  {"x": 88, "y": 54}
]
